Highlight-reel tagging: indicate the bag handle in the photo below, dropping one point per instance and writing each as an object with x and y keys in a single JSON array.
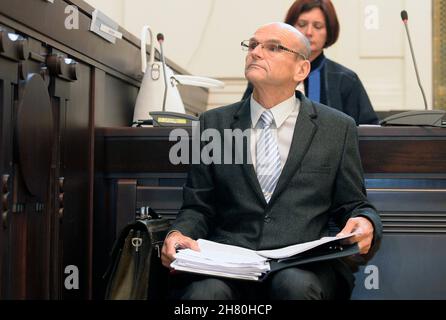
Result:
[
  {"x": 144, "y": 31},
  {"x": 146, "y": 212}
]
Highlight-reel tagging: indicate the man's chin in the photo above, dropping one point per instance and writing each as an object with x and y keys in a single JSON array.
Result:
[
  {"x": 253, "y": 80},
  {"x": 254, "y": 74}
]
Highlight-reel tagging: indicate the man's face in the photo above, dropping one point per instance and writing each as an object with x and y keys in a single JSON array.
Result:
[{"x": 264, "y": 67}]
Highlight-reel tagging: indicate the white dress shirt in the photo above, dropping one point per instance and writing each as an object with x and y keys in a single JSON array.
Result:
[{"x": 285, "y": 116}]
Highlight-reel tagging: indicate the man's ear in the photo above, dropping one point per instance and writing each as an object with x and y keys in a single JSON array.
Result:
[{"x": 302, "y": 70}]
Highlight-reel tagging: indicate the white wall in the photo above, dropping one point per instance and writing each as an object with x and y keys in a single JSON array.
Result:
[
  {"x": 112, "y": 8},
  {"x": 203, "y": 36},
  {"x": 381, "y": 56}
]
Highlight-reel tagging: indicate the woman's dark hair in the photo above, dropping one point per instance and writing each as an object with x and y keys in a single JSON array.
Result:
[{"x": 326, "y": 6}]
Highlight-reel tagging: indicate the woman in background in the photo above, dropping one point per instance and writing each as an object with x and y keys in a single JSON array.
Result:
[{"x": 329, "y": 82}]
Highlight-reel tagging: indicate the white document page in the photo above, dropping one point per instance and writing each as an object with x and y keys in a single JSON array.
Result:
[
  {"x": 176, "y": 266},
  {"x": 227, "y": 253}
]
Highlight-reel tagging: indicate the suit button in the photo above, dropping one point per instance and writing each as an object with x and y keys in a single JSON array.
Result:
[{"x": 267, "y": 219}]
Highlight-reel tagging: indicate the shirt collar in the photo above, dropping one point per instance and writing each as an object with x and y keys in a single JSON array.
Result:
[{"x": 280, "y": 111}]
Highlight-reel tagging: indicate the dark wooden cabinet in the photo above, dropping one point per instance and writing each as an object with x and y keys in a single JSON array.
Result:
[
  {"x": 45, "y": 162},
  {"x": 56, "y": 84},
  {"x": 8, "y": 92}
]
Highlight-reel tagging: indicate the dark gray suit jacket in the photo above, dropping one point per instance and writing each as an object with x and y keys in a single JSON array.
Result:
[{"x": 321, "y": 180}]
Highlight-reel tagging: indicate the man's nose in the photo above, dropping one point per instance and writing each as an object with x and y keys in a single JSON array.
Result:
[{"x": 257, "y": 51}]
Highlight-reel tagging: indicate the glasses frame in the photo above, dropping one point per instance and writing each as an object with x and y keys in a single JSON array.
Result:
[{"x": 245, "y": 46}]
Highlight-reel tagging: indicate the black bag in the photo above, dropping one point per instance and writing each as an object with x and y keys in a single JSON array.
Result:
[{"x": 135, "y": 271}]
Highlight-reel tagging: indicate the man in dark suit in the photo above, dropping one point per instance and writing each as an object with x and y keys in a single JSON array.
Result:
[{"x": 305, "y": 170}]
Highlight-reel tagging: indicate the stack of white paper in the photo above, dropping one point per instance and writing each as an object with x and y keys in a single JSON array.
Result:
[
  {"x": 236, "y": 262},
  {"x": 221, "y": 260}
]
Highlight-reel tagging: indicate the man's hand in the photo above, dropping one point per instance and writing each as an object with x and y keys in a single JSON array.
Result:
[
  {"x": 176, "y": 240},
  {"x": 363, "y": 230}
]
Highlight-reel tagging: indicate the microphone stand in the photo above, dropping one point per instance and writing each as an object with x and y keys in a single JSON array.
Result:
[
  {"x": 415, "y": 64},
  {"x": 160, "y": 39}
]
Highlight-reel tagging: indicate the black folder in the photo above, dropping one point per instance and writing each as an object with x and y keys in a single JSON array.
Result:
[{"x": 321, "y": 253}]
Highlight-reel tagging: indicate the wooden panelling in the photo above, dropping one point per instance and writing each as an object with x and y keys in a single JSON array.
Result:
[
  {"x": 399, "y": 156},
  {"x": 49, "y": 224},
  {"x": 50, "y": 19},
  {"x": 8, "y": 91},
  {"x": 47, "y": 229},
  {"x": 119, "y": 102},
  {"x": 137, "y": 150},
  {"x": 403, "y": 150}
]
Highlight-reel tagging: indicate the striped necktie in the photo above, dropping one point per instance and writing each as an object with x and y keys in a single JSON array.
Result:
[{"x": 267, "y": 156}]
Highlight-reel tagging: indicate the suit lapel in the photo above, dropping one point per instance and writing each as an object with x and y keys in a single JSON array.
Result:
[
  {"x": 332, "y": 83},
  {"x": 304, "y": 131},
  {"x": 242, "y": 120}
]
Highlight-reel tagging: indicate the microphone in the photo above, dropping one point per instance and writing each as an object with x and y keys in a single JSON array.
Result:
[
  {"x": 405, "y": 19},
  {"x": 404, "y": 16},
  {"x": 160, "y": 38}
]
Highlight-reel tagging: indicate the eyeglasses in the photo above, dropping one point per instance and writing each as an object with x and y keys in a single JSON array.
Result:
[{"x": 271, "y": 48}]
